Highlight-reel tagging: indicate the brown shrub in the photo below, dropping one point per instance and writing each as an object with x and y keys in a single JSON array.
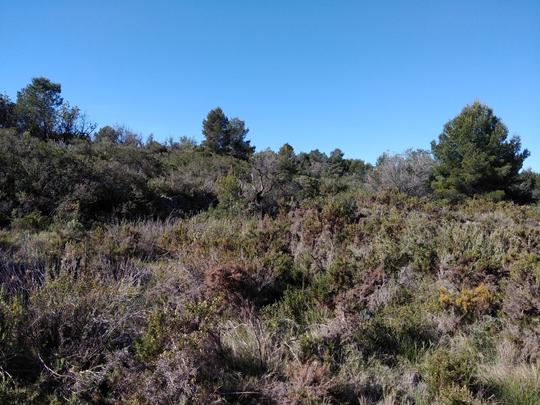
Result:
[
  {"x": 236, "y": 285},
  {"x": 308, "y": 382},
  {"x": 357, "y": 297},
  {"x": 521, "y": 308}
]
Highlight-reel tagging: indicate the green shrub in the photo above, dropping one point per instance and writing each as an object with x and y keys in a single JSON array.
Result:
[
  {"x": 152, "y": 341},
  {"x": 450, "y": 372},
  {"x": 229, "y": 193}
]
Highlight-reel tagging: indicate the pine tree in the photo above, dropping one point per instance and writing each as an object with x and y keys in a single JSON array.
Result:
[
  {"x": 474, "y": 157},
  {"x": 7, "y": 112},
  {"x": 215, "y": 131},
  {"x": 226, "y": 137},
  {"x": 37, "y": 107}
]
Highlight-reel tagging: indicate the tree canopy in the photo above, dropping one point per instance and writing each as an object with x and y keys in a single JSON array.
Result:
[
  {"x": 51, "y": 164},
  {"x": 474, "y": 156},
  {"x": 41, "y": 111},
  {"x": 7, "y": 112},
  {"x": 226, "y": 136}
]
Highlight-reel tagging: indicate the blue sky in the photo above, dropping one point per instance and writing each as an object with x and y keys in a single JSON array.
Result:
[{"x": 364, "y": 76}]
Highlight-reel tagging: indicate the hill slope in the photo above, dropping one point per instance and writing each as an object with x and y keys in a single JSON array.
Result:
[{"x": 348, "y": 299}]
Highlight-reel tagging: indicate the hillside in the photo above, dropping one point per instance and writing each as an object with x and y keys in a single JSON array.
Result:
[
  {"x": 342, "y": 300},
  {"x": 142, "y": 272}
]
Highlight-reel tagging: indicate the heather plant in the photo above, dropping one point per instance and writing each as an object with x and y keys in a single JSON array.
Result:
[{"x": 418, "y": 242}]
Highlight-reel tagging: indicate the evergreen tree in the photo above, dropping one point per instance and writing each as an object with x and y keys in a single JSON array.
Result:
[
  {"x": 337, "y": 166},
  {"x": 226, "y": 136},
  {"x": 41, "y": 111},
  {"x": 215, "y": 130},
  {"x": 7, "y": 112},
  {"x": 37, "y": 108},
  {"x": 287, "y": 161},
  {"x": 474, "y": 157},
  {"x": 108, "y": 134},
  {"x": 235, "y": 140}
]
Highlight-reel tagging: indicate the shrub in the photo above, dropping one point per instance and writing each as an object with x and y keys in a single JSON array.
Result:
[
  {"x": 236, "y": 285},
  {"x": 229, "y": 193},
  {"x": 521, "y": 307},
  {"x": 173, "y": 379},
  {"x": 408, "y": 173},
  {"x": 335, "y": 301},
  {"x": 450, "y": 373},
  {"x": 418, "y": 242},
  {"x": 476, "y": 300}
]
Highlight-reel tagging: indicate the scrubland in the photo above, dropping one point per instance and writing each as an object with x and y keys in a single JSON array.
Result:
[
  {"x": 139, "y": 272},
  {"x": 356, "y": 298}
]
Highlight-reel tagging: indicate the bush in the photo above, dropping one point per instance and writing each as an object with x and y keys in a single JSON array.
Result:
[
  {"x": 451, "y": 373},
  {"x": 408, "y": 173},
  {"x": 476, "y": 300}
]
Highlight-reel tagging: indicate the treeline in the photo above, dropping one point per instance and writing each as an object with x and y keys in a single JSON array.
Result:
[{"x": 55, "y": 165}]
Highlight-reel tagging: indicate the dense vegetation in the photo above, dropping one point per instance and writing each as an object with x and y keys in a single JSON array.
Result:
[{"x": 140, "y": 272}]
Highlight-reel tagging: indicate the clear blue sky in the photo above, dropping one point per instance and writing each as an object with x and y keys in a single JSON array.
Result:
[{"x": 364, "y": 76}]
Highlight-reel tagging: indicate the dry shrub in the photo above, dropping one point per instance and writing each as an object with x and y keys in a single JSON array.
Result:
[
  {"x": 173, "y": 379},
  {"x": 70, "y": 324},
  {"x": 175, "y": 285},
  {"x": 237, "y": 285},
  {"x": 311, "y": 237},
  {"x": 358, "y": 296},
  {"x": 309, "y": 382},
  {"x": 139, "y": 239},
  {"x": 408, "y": 173},
  {"x": 521, "y": 308},
  {"x": 313, "y": 382}
]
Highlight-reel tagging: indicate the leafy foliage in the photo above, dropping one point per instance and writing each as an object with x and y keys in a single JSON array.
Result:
[{"x": 41, "y": 111}]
